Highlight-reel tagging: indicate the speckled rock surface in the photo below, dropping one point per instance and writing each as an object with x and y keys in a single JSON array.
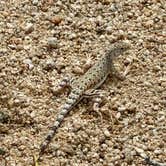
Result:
[{"x": 43, "y": 41}]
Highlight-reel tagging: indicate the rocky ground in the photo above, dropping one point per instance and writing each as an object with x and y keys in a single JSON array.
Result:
[{"x": 42, "y": 41}]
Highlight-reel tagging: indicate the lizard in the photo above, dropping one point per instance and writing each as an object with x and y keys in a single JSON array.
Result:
[{"x": 85, "y": 84}]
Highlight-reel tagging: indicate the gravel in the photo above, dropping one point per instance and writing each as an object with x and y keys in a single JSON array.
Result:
[{"x": 44, "y": 41}]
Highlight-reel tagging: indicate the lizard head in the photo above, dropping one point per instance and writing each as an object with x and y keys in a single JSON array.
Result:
[{"x": 118, "y": 48}]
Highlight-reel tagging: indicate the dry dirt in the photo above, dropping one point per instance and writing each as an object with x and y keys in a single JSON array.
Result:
[{"x": 42, "y": 41}]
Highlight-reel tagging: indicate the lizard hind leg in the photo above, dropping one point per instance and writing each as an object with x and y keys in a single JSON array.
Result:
[{"x": 98, "y": 98}]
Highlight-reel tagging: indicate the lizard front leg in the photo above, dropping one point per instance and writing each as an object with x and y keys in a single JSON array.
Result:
[
  {"x": 94, "y": 93},
  {"x": 119, "y": 76}
]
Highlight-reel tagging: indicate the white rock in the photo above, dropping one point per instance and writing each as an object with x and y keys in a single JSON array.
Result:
[
  {"x": 35, "y": 2},
  {"x": 106, "y": 132},
  {"x": 29, "y": 63},
  {"x": 109, "y": 29},
  {"x": 72, "y": 36},
  {"x": 52, "y": 42}
]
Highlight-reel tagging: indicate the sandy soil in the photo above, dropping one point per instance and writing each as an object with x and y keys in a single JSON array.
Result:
[{"x": 41, "y": 42}]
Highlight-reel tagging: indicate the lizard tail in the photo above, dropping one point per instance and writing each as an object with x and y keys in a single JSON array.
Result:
[{"x": 72, "y": 99}]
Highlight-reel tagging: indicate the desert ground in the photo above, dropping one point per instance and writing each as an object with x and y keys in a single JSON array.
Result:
[{"x": 44, "y": 41}]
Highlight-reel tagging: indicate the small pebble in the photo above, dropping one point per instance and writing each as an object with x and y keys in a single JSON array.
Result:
[
  {"x": 68, "y": 149},
  {"x": 128, "y": 61},
  {"x": 106, "y": 2},
  {"x": 149, "y": 23},
  {"x": 3, "y": 51},
  {"x": 87, "y": 64},
  {"x": 122, "y": 109},
  {"x": 11, "y": 46},
  {"x": 4, "y": 129},
  {"x": 56, "y": 20},
  {"x": 72, "y": 36},
  {"x": 156, "y": 68},
  {"x": 49, "y": 64},
  {"x": 118, "y": 115},
  {"x": 77, "y": 70},
  {"x": 148, "y": 84},
  {"x": 140, "y": 152},
  {"x": 35, "y": 2},
  {"x": 29, "y": 28},
  {"x": 52, "y": 42},
  {"x": 29, "y": 63},
  {"x": 158, "y": 151},
  {"x": 106, "y": 133},
  {"x": 109, "y": 29}
]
